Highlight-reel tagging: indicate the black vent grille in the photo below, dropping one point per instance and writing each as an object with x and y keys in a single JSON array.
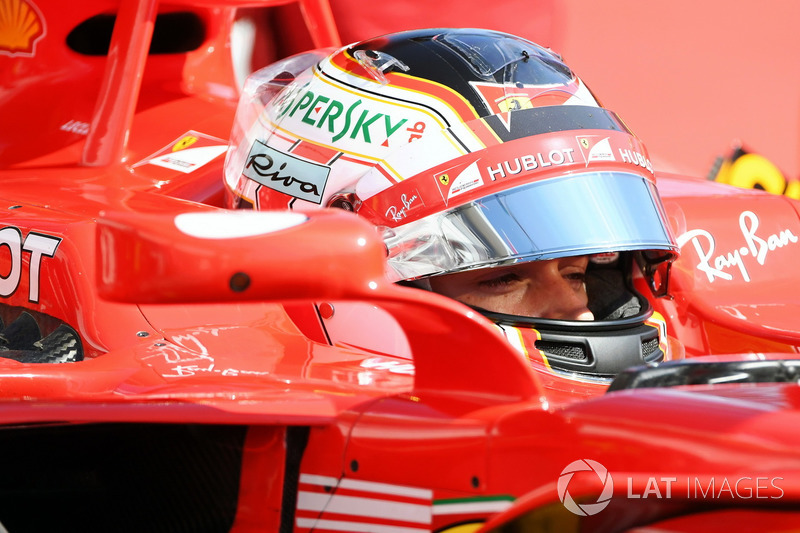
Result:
[
  {"x": 560, "y": 349},
  {"x": 576, "y": 352},
  {"x": 649, "y": 346}
]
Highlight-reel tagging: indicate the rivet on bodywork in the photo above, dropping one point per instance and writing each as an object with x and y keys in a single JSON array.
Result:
[
  {"x": 239, "y": 282},
  {"x": 326, "y": 310}
]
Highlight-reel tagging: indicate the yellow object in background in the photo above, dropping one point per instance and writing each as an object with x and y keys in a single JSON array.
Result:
[{"x": 754, "y": 171}]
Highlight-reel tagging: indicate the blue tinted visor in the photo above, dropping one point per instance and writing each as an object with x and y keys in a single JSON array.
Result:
[{"x": 581, "y": 214}]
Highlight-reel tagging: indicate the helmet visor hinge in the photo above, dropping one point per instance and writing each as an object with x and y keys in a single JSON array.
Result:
[{"x": 376, "y": 63}]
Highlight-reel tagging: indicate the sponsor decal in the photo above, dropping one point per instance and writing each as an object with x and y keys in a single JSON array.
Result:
[
  {"x": 486, "y": 505},
  {"x": 596, "y": 148},
  {"x": 756, "y": 247},
  {"x": 187, "y": 153},
  {"x": 356, "y": 119},
  {"x": 13, "y": 246},
  {"x": 635, "y": 158},
  {"x": 285, "y": 173},
  {"x": 416, "y": 131},
  {"x": 329, "y": 503},
  {"x": 605, "y": 258},
  {"x": 452, "y": 184},
  {"x": 343, "y": 504},
  {"x": 502, "y": 98},
  {"x": 662, "y": 487},
  {"x": 21, "y": 28},
  {"x": 76, "y": 126},
  {"x": 528, "y": 162},
  {"x": 400, "y": 211}
]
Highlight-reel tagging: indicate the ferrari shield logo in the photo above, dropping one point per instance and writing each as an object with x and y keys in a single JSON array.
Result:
[
  {"x": 596, "y": 148},
  {"x": 459, "y": 180},
  {"x": 184, "y": 143},
  {"x": 502, "y": 98},
  {"x": 513, "y": 103},
  {"x": 187, "y": 153}
]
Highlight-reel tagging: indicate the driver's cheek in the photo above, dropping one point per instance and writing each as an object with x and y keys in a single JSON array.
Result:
[
  {"x": 559, "y": 299},
  {"x": 512, "y": 302}
]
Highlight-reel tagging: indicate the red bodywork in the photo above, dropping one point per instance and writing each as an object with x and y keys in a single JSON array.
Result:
[{"x": 275, "y": 381}]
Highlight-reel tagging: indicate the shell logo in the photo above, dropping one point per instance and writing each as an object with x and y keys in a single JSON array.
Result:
[{"x": 21, "y": 27}]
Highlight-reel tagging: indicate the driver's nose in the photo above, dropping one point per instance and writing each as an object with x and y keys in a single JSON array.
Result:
[{"x": 560, "y": 288}]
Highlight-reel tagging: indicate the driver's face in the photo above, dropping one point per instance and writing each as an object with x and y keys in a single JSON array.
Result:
[{"x": 545, "y": 289}]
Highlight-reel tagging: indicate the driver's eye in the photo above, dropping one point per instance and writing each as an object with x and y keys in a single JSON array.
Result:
[
  {"x": 499, "y": 281},
  {"x": 577, "y": 276}
]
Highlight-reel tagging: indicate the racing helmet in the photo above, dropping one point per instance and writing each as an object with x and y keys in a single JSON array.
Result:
[{"x": 468, "y": 149}]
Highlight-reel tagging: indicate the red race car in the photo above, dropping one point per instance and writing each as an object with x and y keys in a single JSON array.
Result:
[{"x": 198, "y": 334}]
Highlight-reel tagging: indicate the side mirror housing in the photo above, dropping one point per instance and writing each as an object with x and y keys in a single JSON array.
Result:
[{"x": 221, "y": 255}]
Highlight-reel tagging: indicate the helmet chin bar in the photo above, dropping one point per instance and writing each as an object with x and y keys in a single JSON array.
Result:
[{"x": 595, "y": 348}]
